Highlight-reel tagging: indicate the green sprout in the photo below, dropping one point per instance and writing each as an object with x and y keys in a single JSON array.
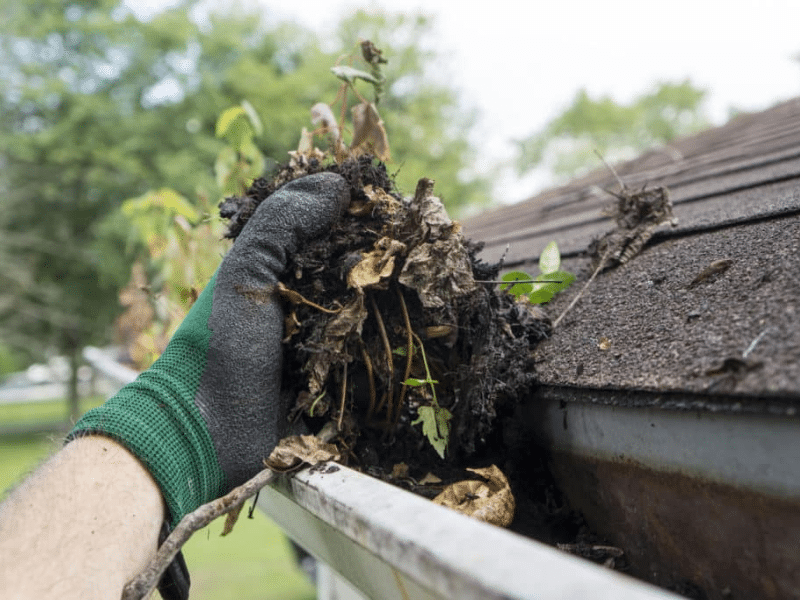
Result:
[
  {"x": 543, "y": 287},
  {"x": 435, "y": 419}
]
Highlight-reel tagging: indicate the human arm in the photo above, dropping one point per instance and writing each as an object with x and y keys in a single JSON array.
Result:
[
  {"x": 81, "y": 526},
  {"x": 203, "y": 417}
]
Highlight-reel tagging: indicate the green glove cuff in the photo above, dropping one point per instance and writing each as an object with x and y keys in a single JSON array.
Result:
[{"x": 156, "y": 418}]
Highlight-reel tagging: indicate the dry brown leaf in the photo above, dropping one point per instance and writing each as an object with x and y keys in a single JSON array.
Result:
[
  {"x": 490, "y": 501},
  {"x": 378, "y": 200},
  {"x": 430, "y": 478},
  {"x": 290, "y": 325},
  {"x": 296, "y": 451},
  {"x": 347, "y": 322},
  {"x": 452, "y": 277},
  {"x": 306, "y": 143},
  {"x": 399, "y": 471},
  {"x": 230, "y": 520},
  {"x": 375, "y": 266},
  {"x": 368, "y": 132}
]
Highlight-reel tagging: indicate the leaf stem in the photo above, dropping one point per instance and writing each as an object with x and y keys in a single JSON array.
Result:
[
  {"x": 409, "y": 359},
  {"x": 428, "y": 377}
]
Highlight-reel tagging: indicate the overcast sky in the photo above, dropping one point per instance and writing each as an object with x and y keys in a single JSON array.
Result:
[{"x": 521, "y": 62}]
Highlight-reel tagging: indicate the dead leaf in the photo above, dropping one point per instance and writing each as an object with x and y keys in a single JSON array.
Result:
[
  {"x": 711, "y": 271},
  {"x": 439, "y": 268},
  {"x": 430, "y": 479},
  {"x": 440, "y": 272},
  {"x": 378, "y": 200},
  {"x": 300, "y": 159},
  {"x": 345, "y": 325},
  {"x": 490, "y": 501},
  {"x": 290, "y": 325},
  {"x": 399, "y": 471},
  {"x": 306, "y": 143},
  {"x": 296, "y": 451},
  {"x": 638, "y": 214},
  {"x": 604, "y": 343},
  {"x": 321, "y": 114},
  {"x": 230, "y": 519},
  {"x": 369, "y": 134},
  {"x": 430, "y": 212},
  {"x": 375, "y": 266}
]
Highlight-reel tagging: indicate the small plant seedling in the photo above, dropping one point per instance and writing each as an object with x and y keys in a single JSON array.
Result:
[
  {"x": 435, "y": 419},
  {"x": 543, "y": 287}
]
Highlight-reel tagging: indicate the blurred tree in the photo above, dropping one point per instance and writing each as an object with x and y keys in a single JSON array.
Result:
[
  {"x": 97, "y": 107},
  {"x": 616, "y": 131}
]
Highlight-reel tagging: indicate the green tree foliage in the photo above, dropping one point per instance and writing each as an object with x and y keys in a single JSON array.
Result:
[
  {"x": 97, "y": 108},
  {"x": 616, "y": 131}
]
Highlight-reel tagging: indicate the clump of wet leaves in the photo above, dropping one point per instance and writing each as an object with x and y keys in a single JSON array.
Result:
[{"x": 389, "y": 333}]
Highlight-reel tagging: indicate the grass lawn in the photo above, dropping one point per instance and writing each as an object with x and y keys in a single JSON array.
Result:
[{"x": 253, "y": 562}]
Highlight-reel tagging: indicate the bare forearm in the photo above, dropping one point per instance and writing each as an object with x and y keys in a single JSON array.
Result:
[{"x": 81, "y": 526}]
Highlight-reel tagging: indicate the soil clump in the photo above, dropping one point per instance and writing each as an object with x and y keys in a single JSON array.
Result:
[{"x": 394, "y": 293}]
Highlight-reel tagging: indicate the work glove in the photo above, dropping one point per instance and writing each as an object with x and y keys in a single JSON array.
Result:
[{"x": 204, "y": 416}]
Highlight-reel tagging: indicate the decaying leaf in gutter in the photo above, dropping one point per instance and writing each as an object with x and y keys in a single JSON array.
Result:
[
  {"x": 343, "y": 328},
  {"x": 291, "y": 454},
  {"x": 444, "y": 246},
  {"x": 376, "y": 200},
  {"x": 429, "y": 479},
  {"x": 296, "y": 451},
  {"x": 490, "y": 501},
  {"x": 376, "y": 266}
]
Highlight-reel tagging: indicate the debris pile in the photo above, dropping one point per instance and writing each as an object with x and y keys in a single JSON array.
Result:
[{"x": 394, "y": 331}]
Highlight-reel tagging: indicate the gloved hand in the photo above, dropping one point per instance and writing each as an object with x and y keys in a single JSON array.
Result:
[{"x": 208, "y": 411}]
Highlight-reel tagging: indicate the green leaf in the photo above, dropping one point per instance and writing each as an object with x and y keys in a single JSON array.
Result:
[
  {"x": 435, "y": 426},
  {"x": 550, "y": 259},
  {"x": 414, "y": 382},
  {"x": 255, "y": 121},
  {"x": 235, "y": 127},
  {"x": 518, "y": 289},
  {"x": 158, "y": 207},
  {"x": 541, "y": 296},
  {"x": 555, "y": 281},
  {"x": 549, "y": 285},
  {"x": 228, "y": 118},
  {"x": 349, "y": 74}
]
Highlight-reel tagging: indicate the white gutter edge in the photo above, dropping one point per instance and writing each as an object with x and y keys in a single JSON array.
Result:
[
  {"x": 393, "y": 545},
  {"x": 105, "y": 364}
]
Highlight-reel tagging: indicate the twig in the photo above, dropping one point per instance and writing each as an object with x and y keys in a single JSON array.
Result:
[
  {"x": 409, "y": 359},
  {"x": 583, "y": 289},
  {"x": 145, "y": 582},
  {"x": 296, "y": 297},
  {"x": 370, "y": 380},
  {"x": 610, "y": 168},
  {"x": 510, "y": 283},
  {"x": 387, "y": 348},
  {"x": 344, "y": 397},
  {"x": 754, "y": 343}
]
